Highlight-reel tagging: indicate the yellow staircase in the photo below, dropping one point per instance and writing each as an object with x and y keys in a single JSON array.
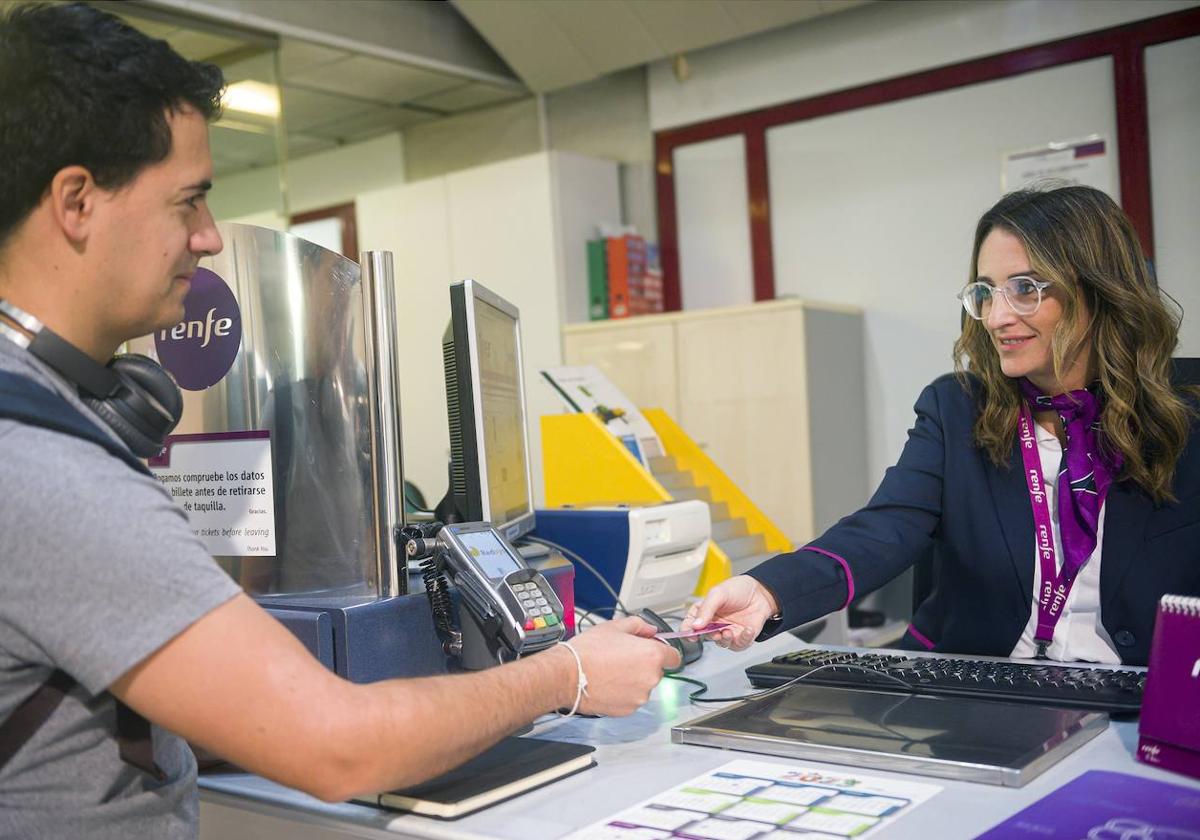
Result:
[{"x": 584, "y": 465}]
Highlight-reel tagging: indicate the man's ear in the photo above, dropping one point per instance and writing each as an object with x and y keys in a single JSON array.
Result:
[{"x": 73, "y": 197}]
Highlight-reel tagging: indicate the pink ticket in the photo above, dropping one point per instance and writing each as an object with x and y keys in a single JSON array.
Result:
[{"x": 695, "y": 631}]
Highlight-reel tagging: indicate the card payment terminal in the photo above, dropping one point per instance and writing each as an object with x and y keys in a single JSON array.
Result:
[{"x": 511, "y": 601}]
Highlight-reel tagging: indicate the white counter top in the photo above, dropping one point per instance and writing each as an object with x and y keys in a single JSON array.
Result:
[{"x": 635, "y": 759}]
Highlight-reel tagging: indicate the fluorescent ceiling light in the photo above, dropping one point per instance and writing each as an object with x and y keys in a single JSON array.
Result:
[{"x": 250, "y": 97}]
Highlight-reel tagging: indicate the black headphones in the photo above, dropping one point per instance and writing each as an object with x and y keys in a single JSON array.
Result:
[{"x": 132, "y": 394}]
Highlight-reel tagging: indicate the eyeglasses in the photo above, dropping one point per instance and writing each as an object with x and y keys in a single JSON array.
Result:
[{"x": 1022, "y": 294}]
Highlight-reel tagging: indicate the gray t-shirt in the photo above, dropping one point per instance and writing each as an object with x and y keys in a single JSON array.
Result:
[{"x": 98, "y": 569}]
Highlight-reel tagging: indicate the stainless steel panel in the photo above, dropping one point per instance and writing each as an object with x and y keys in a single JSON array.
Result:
[
  {"x": 305, "y": 372},
  {"x": 384, "y": 377}
]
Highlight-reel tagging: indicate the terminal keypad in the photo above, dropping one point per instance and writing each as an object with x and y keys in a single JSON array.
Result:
[{"x": 538, "y": 612}]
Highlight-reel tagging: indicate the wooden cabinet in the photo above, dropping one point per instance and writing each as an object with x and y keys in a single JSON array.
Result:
[
  {"x": 637, "y": 354},
  {"x": 773, "y": 391}
]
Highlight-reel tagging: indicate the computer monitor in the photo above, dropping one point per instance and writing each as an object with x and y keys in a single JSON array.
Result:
[{"x": 490, "y": 475}]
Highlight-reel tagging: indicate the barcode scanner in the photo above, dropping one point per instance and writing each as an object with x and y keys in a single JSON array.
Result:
[{"x": 689, "y": 649}]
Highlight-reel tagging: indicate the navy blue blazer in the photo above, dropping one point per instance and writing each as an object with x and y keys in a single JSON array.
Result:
[{"x": 945, "y": 497}]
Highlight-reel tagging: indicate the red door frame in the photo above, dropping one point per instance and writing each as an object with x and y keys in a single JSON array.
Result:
[
  {"x": 1126, "y": 45},
  {"x": 347, "y": 214}
]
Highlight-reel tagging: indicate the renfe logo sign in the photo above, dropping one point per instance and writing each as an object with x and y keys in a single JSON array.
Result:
[{"x": 200, "y": 349}]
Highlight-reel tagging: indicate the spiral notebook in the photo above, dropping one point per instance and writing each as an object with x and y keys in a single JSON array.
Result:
[{"x": 1169, "y": 730}]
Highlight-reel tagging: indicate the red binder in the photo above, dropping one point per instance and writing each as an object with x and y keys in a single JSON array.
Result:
[{"x": 618, "y": 277}]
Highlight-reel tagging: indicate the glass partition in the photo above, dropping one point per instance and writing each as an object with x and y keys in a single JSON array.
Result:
[{"x": 249, "y": 141}]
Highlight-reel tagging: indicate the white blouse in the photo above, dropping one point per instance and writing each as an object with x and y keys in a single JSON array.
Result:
[{"x": 1079, "y": 636}]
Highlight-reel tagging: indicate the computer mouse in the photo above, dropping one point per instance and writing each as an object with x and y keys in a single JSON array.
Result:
[{"x": 689, "y": 649}]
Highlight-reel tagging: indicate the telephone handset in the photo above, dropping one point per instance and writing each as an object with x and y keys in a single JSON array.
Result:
[{"x": 511, "y": 604}]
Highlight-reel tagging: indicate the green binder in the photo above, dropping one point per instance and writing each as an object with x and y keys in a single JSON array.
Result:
[{"x": 597, "y": 262}]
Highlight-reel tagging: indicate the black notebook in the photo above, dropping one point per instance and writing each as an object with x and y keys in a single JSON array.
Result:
[{"x": 513, "y": 766}]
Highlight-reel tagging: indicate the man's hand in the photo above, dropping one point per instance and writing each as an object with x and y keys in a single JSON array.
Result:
[
  {"x": 623, "y": 663},
  {"x": 741, "y": 601}
]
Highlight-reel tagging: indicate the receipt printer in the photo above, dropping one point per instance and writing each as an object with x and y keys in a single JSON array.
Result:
[{"x": 651, "y": 556}]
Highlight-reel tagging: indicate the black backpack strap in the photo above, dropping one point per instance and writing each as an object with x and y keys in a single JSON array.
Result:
[
  {"x": 135, "y": 742},
  {"x": 34, "y": 710},
  {"x": 27, "y": 402},
  {"x": 133, "y": 731}
]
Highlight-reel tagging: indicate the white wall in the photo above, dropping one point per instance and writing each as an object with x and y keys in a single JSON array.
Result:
[
  {"x": 877, "y": 208},
  {"x": 502, "y": 233},
  {"x": 1172, "y": 71},
  {"x": 473, "y": 138},
  {"x": 321, "y": 180},
  {"x": 411, "y": 222},
  {"x": 609, "y": 119},
  {"x": 266, "y": 218},
  {"x": 870, "y": 43},
  {"x": 587, "y": 193},
  {"x": 713, "y": 221},
  {"x": 496, "y": 224},
  {"x": 247, "y": 194},
  {"x": 856, "y": 198},
  {"x": 605, "y": 118}
]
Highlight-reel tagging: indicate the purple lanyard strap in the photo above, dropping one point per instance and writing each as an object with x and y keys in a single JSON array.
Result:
[{"x": 1083, "y": 481}]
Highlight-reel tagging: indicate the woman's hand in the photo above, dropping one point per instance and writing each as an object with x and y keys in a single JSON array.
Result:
[{"x": 741, "y": 601}]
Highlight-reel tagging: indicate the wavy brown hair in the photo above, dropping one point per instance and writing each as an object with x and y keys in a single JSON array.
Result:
[{"x": 1079, "y": 239}]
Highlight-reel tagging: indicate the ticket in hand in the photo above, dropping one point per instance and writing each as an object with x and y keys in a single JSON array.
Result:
[{"x": 695, "y": 631}]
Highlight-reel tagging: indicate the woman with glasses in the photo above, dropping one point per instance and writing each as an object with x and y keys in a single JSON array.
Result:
[{"x": 1054, "y": 478}]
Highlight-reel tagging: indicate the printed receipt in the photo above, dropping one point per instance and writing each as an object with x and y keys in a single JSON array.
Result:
[{"x": 759, "y": 800}]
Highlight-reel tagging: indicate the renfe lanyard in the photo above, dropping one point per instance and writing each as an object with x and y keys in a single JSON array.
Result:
[{"x": 1056, "y": 586}]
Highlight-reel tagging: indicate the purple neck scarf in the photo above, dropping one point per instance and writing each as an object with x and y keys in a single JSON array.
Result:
[
  {"x": 1084, "y": 474},
  {"x": 1084, "y": 477}
]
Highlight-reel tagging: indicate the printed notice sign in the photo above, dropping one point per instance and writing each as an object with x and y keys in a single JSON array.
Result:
[
  {"x": 224, "y": 482},
  {"x": 1085, "y": 161},
  {"x": 587, "y": 390},
  {"x": 756, "y": 800}
]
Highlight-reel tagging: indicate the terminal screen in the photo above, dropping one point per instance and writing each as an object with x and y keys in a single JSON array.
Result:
[
  {"x": 493, "y": 558},
  {"x": 503, "y": 412}
]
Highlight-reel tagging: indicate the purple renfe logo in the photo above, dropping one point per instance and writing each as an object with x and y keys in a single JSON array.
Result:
[{"x": 200, "y": 349}]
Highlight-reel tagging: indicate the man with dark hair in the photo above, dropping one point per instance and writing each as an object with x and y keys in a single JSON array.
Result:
[
  {"x": 111, "y": 611},
  {"x": 83, "y": 88}
]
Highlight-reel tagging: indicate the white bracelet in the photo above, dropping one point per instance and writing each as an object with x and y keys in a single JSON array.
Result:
[{"x": 581, "y": 690}]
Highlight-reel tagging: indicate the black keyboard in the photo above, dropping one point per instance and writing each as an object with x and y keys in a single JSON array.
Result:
[{"x": 1115, "y": 691}]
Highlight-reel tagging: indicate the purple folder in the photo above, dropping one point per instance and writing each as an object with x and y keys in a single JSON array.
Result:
[
  {"x": 1101, "y": 805},
  {"x": 1169, "y": 729}
]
